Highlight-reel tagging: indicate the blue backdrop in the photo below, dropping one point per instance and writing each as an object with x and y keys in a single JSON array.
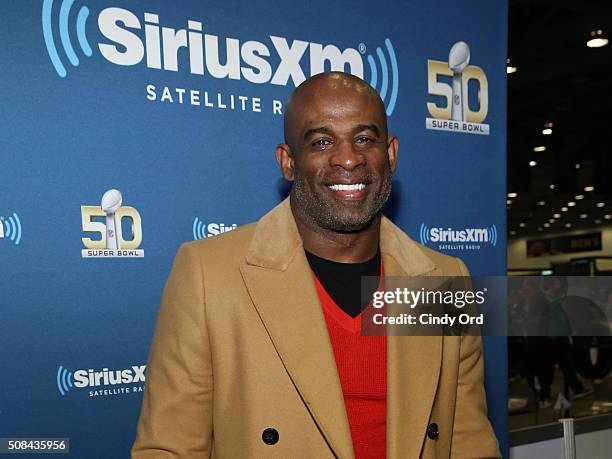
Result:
[{"x": 138, "y": 96}]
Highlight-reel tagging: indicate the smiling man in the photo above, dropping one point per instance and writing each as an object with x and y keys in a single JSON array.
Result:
[{"x": 257, "y": 351}]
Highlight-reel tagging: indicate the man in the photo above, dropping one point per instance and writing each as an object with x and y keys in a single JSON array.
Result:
[
  {"x": 556, "y": 347},
  {"x": 537, "y": 310},
  {"x": 253, "y": 350}
]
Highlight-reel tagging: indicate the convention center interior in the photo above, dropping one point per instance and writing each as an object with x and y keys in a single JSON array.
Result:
[{"x": 559, "y": 205}]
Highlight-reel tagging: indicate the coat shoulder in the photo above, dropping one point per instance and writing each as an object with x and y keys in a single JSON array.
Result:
[
  {"x": 446, "y": 264},
  {"x": 443, "y": 265},
  {"x": 226, "y": 248}
]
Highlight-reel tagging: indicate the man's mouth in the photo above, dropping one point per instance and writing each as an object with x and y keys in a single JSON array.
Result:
[
  {"x": 344, "y": 187},
  {"x": 348, "y": 191}
]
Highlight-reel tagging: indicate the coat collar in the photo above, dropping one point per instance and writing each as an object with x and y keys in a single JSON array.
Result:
[
  {"x": 280, "y": 283},
  {"x": 277, "y": 240}
]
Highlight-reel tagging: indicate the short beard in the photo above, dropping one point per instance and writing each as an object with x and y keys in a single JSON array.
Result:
[{"x": 322, "y": 215}]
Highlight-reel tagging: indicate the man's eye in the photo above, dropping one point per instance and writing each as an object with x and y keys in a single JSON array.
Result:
[
  {"x": 363, "y": 140},
  {"x": 321, "y": 143}
]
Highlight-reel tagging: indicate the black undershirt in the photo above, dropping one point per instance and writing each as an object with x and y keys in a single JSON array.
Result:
[{"x": 342, "y": 281}]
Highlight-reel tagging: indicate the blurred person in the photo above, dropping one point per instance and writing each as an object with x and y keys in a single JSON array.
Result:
[
  {"x": 537, "y": 309},
  {"x": 557, "y": 347}
]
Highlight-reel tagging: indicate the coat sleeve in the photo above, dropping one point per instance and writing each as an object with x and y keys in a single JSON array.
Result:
[
  {"x": 473, "y": 436},
  {"x": 176, "y": 415}
]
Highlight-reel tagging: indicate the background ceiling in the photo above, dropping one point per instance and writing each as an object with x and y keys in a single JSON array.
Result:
[{"x": 559, "y": 80}]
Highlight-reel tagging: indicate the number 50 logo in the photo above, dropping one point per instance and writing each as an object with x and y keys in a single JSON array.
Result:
[
  {"x": 108, "y": 222},
  {"x": 455, "y": 112}
]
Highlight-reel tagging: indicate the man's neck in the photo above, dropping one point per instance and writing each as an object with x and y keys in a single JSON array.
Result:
[{"x": 343, "y": 247}]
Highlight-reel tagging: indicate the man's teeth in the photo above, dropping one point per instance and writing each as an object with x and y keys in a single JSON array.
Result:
[{"x": 352, "y": 187}]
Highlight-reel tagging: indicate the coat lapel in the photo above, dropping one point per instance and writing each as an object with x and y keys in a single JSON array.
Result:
[
  {"x": 279, "y": 280},
  {"x": 413, "y": 362}
]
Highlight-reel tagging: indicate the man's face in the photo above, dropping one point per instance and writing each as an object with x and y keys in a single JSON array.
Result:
[{"x": 342, "y": 162}]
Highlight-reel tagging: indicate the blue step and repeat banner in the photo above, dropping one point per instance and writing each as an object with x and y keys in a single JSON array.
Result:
[{"x": 178, "y": 106}]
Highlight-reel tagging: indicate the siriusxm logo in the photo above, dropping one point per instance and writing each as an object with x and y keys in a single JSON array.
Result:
[
  {"x": 453, "y": 239},
  {"x": 132, "y": 39},
  {"x": 66, "y": 380},
  {"x": 202, "y": 230},
  {"x": 83, "y": 14},
  {"x": 10, "y": 228}
]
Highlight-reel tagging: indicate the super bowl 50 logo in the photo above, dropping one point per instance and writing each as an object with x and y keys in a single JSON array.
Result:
[
  {"x": 109, "y": 221},
  {"x": 456, "y": 114}
]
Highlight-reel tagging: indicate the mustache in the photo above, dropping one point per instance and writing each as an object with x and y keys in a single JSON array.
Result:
[{"x": 353, "y": 177}]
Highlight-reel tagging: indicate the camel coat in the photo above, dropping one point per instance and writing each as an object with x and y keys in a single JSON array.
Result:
[{"x": 241, "y": 347}]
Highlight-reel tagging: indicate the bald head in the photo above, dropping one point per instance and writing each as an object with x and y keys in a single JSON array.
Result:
[{"x": 330, "y": 89}]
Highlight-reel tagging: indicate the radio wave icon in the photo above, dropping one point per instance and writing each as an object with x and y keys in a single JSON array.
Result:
[
  {"x": 64, "y": 380},
  {"x": 389, "y": 75},
  {"x": 492, "y": 232},
  {"x": 10, "y": 228},
  {"x": 424, "y": 234},
  {"x": 47, "y": 25},
  {"x": 198, "y": 229}
]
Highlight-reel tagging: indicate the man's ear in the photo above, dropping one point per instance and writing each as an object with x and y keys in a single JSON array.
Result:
[
  {"x": 392, "y": 148},
  {"x": 284, "y": 158}
]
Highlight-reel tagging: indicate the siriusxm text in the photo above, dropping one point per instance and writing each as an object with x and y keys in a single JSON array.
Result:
[
  {"x": 252, "y": 60},
  {"x": 465, "y": 235},
  {"x": 92, "y": 378}
]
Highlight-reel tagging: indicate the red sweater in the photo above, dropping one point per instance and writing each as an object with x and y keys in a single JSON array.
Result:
[{"x": 362, "y": 368}]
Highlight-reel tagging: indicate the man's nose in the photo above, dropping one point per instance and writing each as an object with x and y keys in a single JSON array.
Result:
[{"x": 347, "y": 156}]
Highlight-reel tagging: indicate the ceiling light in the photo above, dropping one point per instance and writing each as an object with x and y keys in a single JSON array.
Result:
[
  {"x": 508, "y": 201},
  {"x": 577, "y": 166},
  {"x": 592, "y": 43},
  {"x": 551, "y": 220},
  {"x": 584, "y": 216},
  {"x": 597, "y": 222},
  {"x": 547, "y": 131},
  {"x": 533, "y": 163},
  {"x": 597, "y": 39},
  {"x": 540, "y": 229},
  {"x": 510, "y": 68},
  {"x": 541, "y": 203},
  {"x": 571, "y": 204},
  {"x": 568, "y": 225},
  {"x": 546, "y": 225},
  {"x": 578, "y": 197},
  {"x": 607, "y": 216},
  {"x": 552, "y": 186},
  {"x": 589, "y": 188},
  {"x": 557, "y": 215},
  {"x": 512, "y": 233},
  {"x": 512, "y": 195},
  {"x": 563, "y": 209},
  {"x": 601, "y": 204},
  {"x": 522, "y": 225},
  {"x": 539, "y": 148}
]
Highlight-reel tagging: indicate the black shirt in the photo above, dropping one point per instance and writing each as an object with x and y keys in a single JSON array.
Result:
[{"x": 342, "y": 281}]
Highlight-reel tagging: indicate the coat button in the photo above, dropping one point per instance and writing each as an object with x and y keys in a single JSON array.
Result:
[
  {"x": 269, "y": 436},
  {"x": 432, "y": 431}
]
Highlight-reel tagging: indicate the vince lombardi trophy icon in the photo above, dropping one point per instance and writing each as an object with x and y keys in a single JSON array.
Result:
[
  {"x": 458, "y": 60},
  {"x": 111, "y": 202}
]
